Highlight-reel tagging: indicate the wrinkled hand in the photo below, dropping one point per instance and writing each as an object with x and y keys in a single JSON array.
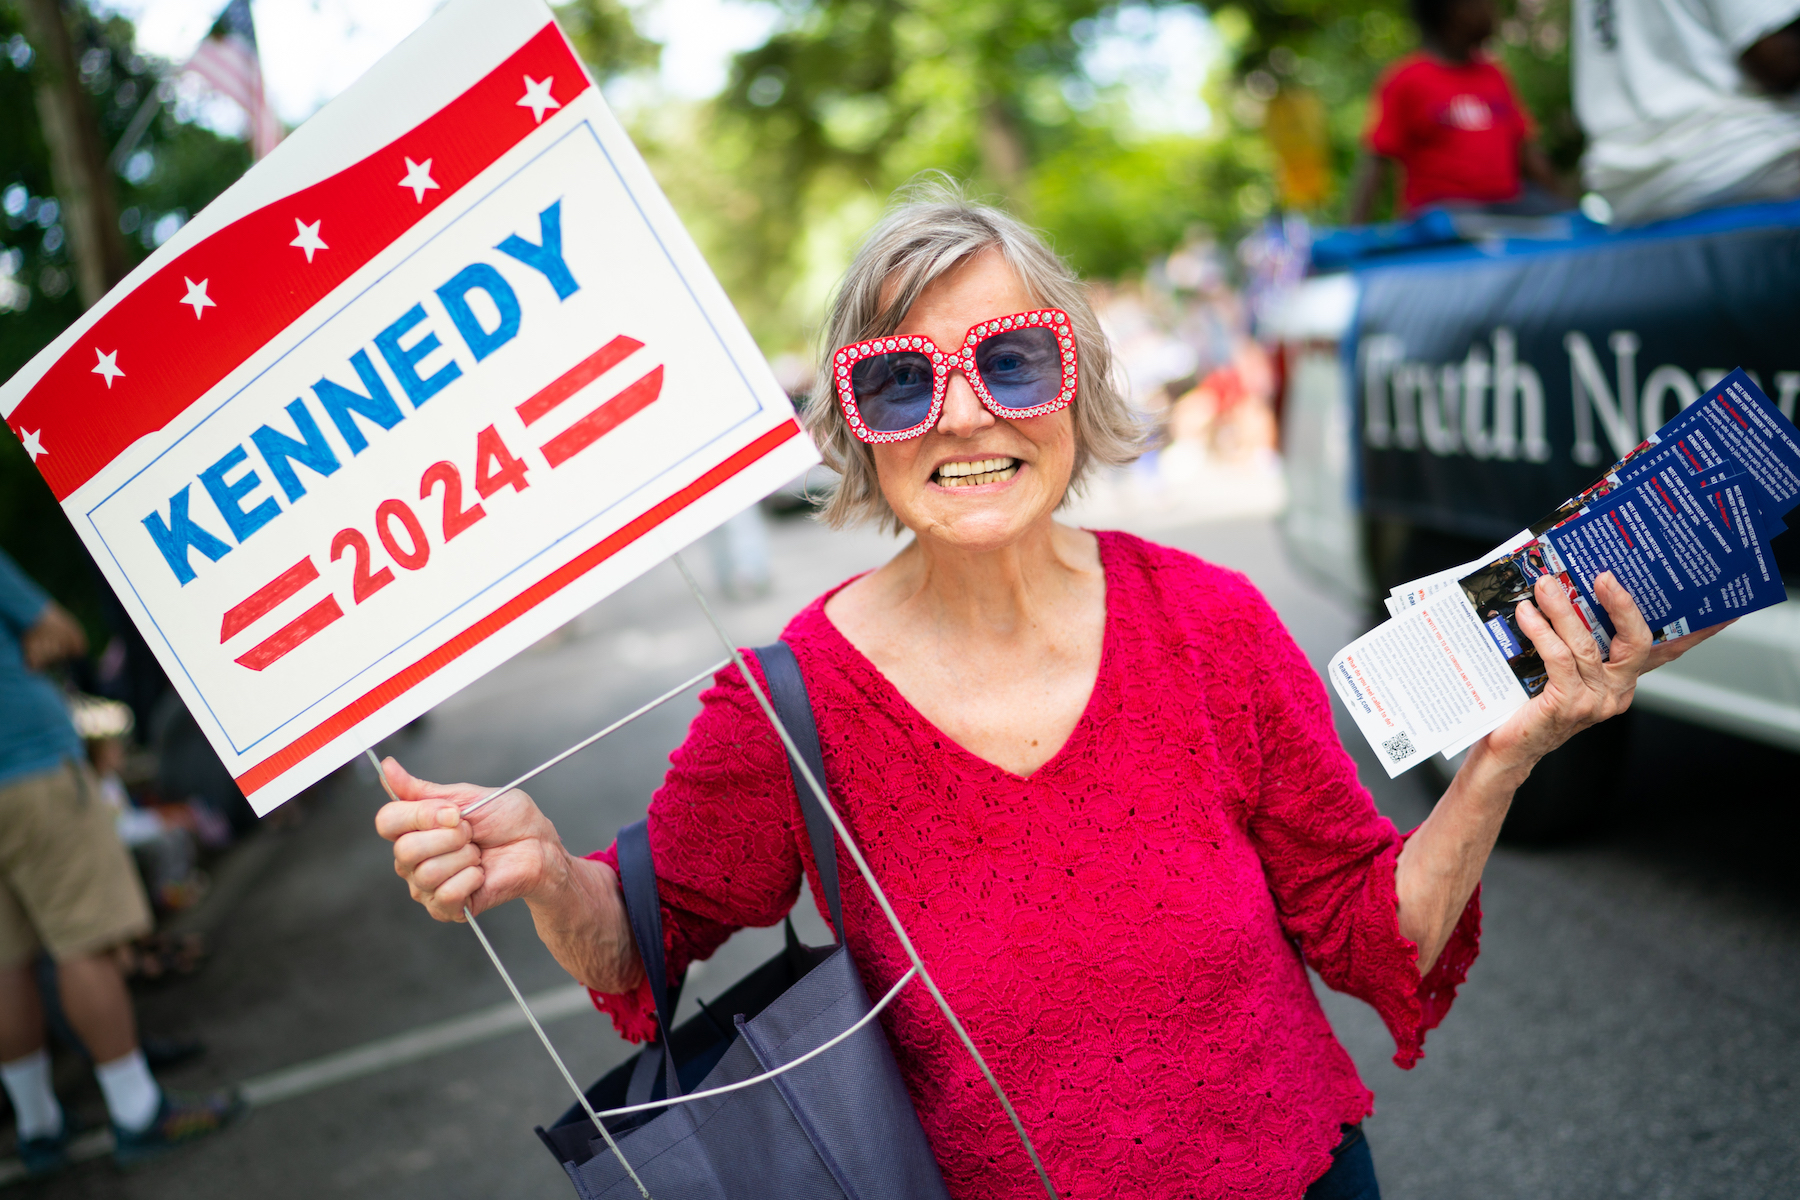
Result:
[
  {"x": 504, "y": 851},
  {"x": 508, "y": 850},
  {"x": 1582, "y": 690}
]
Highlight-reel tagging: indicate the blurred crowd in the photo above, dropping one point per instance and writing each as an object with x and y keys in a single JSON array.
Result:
[
  {"x": 1204, "y": 387},
  {"x": 93, "y": 848},
  {"x": 177, "y": 807},
  {"x": 174, "y": 805}
]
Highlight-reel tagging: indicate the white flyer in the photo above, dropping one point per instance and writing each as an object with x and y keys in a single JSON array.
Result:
[{"x": 1426, "y": 680}]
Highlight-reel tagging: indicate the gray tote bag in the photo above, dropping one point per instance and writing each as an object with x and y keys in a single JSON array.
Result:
[{"x": 839, "y": 1126}]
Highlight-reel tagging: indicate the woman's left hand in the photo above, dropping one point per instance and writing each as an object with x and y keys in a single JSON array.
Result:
[
  {"x": 1443, "y": 859},
  {"x": 1583, "y": 689}
]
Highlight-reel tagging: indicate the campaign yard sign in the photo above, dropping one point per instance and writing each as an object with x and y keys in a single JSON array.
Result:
[{"x": 434, "y": 377}]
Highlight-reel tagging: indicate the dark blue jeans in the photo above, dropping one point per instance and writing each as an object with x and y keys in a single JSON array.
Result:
[{"x": 1352, "y": 1173}]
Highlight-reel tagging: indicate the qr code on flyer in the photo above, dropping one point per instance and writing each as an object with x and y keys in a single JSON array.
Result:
[{"x": 1399, "y": 747}]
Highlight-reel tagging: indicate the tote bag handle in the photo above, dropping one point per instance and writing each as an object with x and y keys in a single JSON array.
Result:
[
  {"x": 637, "y": 868},
  {"x": 787, "y": 691}
]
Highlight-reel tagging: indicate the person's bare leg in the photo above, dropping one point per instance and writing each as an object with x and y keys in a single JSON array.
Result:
[
  {"x": 24, "y": 1064},
  {"x": 21, "y": 1014},
  {"x": 98, "y": 1006}
]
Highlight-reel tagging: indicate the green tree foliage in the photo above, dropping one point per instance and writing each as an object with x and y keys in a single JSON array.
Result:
[
  {"x": 606, "y": 37},
  {"x": 1534, "y": 43},
  {"x": 1111, "y": 206},
  {"x": 848, "y": 99},
  {"x": 176, "y": 170}
]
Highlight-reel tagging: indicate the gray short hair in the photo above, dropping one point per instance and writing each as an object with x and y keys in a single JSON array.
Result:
[{"x": 929, "y": 229}]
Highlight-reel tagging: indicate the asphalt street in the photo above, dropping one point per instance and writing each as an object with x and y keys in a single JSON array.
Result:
[{"x": 1632, "y": 1027}]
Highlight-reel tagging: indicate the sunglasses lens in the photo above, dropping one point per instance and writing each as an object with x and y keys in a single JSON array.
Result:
[
  {"x": 893, "y": 391},
  {"x": 1021, "y": 367}
]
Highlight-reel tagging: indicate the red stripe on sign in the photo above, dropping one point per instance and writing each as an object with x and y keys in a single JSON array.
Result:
[
  {"x": 603, "y": 420},
  {"x": 261, "y": 282},
  {"x": 398, "y": 685},
  {"x": 266, "y": 597},
  {"x": 579, "y": 376},
  {"x": 292, "y": 634}
]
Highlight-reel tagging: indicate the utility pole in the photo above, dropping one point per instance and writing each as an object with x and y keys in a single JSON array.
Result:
[
  {"x": 77, "y": 154},
  {"x": 1003, "y": 154}
]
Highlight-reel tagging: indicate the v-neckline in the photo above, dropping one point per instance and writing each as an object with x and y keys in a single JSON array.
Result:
[{"x": 1102, "y": 677}]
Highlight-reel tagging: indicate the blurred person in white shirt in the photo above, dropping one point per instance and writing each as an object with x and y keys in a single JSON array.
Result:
[{"x": 1688, "y": 104}]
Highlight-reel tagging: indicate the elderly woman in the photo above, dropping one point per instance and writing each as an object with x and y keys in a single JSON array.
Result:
[{"x": 1096, "y": 776}]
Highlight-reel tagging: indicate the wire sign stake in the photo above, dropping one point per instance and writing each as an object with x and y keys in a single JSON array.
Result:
[
  {"x": 818, "y": 789},
  {"x": 519, "y": 996}
]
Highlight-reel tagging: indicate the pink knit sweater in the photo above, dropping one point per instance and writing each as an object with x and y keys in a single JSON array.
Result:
[{"x": 1123, "y": 932}]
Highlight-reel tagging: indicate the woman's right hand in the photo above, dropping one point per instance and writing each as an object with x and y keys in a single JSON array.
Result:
[{"x": 506, "y": 850}]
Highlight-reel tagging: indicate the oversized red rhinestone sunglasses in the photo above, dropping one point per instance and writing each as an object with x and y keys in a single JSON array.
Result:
[{"x": 893, "y": 388}]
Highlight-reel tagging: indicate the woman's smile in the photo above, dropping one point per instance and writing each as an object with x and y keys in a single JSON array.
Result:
[{"x": 976, "y": 472}]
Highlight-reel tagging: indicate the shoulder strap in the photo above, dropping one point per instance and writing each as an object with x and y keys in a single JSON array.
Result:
[
  {"x": 637, "y": 879},
  {"x": 787, "y": 691},
  {"x": 637, "y": 868}
]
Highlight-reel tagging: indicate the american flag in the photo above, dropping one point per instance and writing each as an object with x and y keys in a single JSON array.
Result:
[{"x": 226, "y": 59}]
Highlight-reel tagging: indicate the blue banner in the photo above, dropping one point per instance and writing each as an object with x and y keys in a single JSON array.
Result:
[{"x": 1490, "y": 389}]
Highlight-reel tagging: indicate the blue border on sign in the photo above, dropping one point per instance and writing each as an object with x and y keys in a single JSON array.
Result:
[{"x": 697, "y": 453}]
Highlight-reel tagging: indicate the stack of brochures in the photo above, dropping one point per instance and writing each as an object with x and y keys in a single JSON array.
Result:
[{"x": 1683, "y": 522}]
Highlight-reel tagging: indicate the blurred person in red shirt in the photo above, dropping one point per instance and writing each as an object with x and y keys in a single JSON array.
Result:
[{"x": 1448, "y": 116}]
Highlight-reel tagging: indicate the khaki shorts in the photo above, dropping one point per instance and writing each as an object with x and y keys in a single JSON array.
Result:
[{"x": 67, "y": 883}]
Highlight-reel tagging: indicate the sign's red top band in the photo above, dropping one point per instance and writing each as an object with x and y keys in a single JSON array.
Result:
[{"x": 189, "y": 325}]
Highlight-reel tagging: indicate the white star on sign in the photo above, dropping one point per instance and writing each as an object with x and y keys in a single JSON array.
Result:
[
  {"x": 537, "y": 98},
  {"x": 108, "y": 365},
  {"x": 308, "y": 238},
  {"x": 197, "y": 296},
  {"x": 33, "y": 446},
  {"x": 418, "y": 178}
]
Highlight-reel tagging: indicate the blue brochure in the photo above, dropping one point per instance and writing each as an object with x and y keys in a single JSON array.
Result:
[
  {"x": 1733, "y": 421},
  {"x": 1683, "y": 522},
  {"x": 1689, "y": 547}
]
